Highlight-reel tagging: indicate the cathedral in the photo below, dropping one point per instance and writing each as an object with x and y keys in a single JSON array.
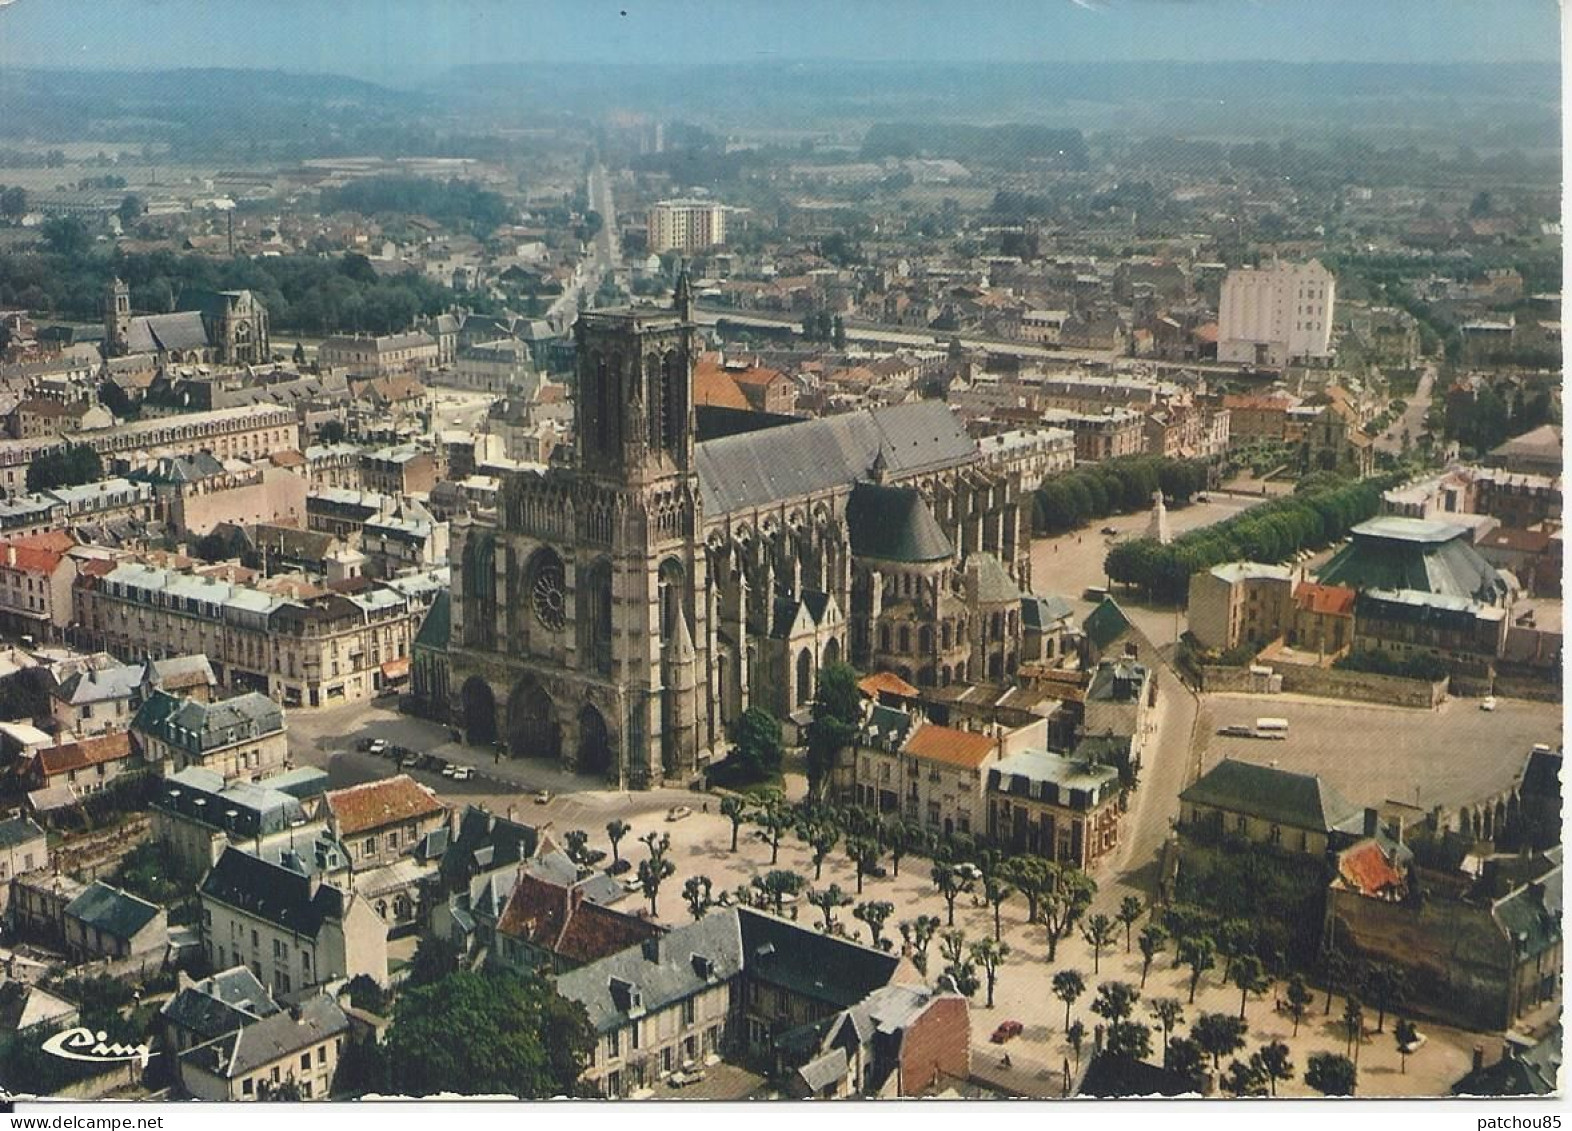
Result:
[
  {"x": 211, "y": 327},
  {"x": 621, "y": 610}
]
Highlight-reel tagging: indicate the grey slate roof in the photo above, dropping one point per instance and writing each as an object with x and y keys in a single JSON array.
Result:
[
  {"x": 200, "y": 727},
  {"x": 272, "y": 891},
  {"x": 1301, "y": 801},
  {"x": 220, "y": 1004},
  {"x": 244, "y": 809},
  {"x": 120, "y": 681},
  {"x": 151, "y": 333},
  {"x": 754, "y": 469},
  {"x": 1043, "y": 612},
  {"x": 271, "y": 1039},
  {"x": 16, "y": 831},
  {"x": 894, "y": 524},
  {"x": 116, "y": 913},
  {"x": 995, "y": 586},
  {"x": 1531, "y": 916}
]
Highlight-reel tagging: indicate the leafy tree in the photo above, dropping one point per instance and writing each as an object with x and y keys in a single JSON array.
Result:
[
  {"x": 657, "y": 869},
  {"x": 756, "y": 744},
  {"x": 1219, "y": 1035},
  {"x": 299, "y": 358},
  {"x": 917, "y": 934},
  {"x": 1405, "y": 1033},
  {"x": 1068, "y": 985},
  {"x": 1198, "y": 954},
  {"x": 363, "y": 1068},
  {"x": 364, "y": 993},
  {"x": 1098, "y": 931},
  {"x": 959, "y": 967},
  {"x": 1075, "y": 1034},
  {"x": 332, "y": 431},
  {"x": 951, "y": 883},
  {"x": 1234, "y": 938},
  {"x": 696, "y": 891},
  {"x": 67, "y": 236},
  {"x": 1186, "y": 1059},
  {"x": 1251, "y": 978},
  {"x": 1337, "y": 969},
  {"x": 990, "y": 955},
  {"x": 1246, "y": 1078},
  {"x": 875, "y": 913},
  {"x": 435, "y": 959},
  {"x": 13, "y": 203},
  {"x": 1169, "y": 1013},
  {"x": 828, "y": 900},
  {"x": 130, "y": 211},
  {"x": 1298, "y": 995},
  {"x": 286, "y": 1091},
  {"x": 996, "y": 890},
  {"x": 1387, "y": 984},
  {"x": 898, "y": 840},
  {"x": 1030, "y": 874},
  {"x": 67, "y": 467},
  {"x": 864, "y": 853},
  {"x": 821, "y": 837},
  {"x": 776, "y": 884},
  {"x": 520, "y": 1038},
  {"x": 838, "y": 333},
  {"x": 1062, "y": 900},
  {"x": 774, "y": 816},
  {"x": 577, "y": 847},
  {"x": 1115, "y": 1001},
  {"x": 1353, "y": 1024},
  {"x": 1276, "y": 1063},
  {"x": 1130, "y": 909},
  {"x": 836, "y": 711},
  {"x": 1331, "y": 1075},
  {"x": 735, "y": 810},
  {"x": 616, "y": 829},
  {"x": 1153, "y": 938}
]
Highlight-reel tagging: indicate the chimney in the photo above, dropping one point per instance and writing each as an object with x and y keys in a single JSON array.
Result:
[
  {"x": 651, "y": 949},
  {"x": 1479, "y": 1057},
  {"x": 1372, "y": 822}
]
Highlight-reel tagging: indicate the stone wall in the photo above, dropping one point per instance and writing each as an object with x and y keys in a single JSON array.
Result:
[
  {"x": 1331, "y": 683},
  {"x": 1459, "y": 965}
]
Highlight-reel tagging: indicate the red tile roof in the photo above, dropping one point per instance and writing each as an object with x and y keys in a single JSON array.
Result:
[
  {"x": 964, "y": 748},
  {"x": 374, "y": 805},
  {"x": 713, "y": 385},
  {"x": 1332, "y": 600},
  {"x": 888, "y": 683},
  {"x": 560, "y": 920},
  {"x": 1366, "y": 869},
  {"x": 54, "y": 760}
]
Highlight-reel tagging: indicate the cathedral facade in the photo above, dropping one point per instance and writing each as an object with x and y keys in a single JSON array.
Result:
[{"x": 618, "y": 613}]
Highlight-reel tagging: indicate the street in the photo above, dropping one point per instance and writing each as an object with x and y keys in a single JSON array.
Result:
[{"x": 1410, "y": 425}]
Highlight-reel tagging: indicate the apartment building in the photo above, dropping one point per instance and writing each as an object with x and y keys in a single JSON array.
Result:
[
  {"x": 685, "y": 225},
  {"x": 1277, "y": 314},
  {"x": 294, "y": 929},
  {"x": 36, "y": 579},
  {"x": 382, "y": 355},
  {"x": 303, "y": 647},
  {"x": 380, "y": 821},
  {"x": 241, "y": 737}
]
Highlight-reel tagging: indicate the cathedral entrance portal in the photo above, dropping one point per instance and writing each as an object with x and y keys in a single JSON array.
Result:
[
  {"x": 480, "y": 712},
  {"x": 533, "y": 731},
  {"x": 594, "y": 755}
]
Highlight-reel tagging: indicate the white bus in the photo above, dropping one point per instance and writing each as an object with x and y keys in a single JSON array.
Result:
[{"x": 1271, "y": 728}]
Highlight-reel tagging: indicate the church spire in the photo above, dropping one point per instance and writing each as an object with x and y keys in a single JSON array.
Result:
[{"x": 683, "y": 299}]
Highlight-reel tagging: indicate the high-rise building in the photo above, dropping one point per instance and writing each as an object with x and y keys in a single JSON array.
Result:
[
  {"x": 1277, "y": 314},
  {"x": 685, "y": 225}
]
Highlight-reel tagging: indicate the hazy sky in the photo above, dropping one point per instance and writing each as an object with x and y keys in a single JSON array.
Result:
[{"x": 358, "y": 36}]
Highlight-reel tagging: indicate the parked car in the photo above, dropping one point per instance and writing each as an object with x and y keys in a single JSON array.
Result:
[
  {"x": 1488, "y": 703},
  {"x": 678, "y": 812},
  {"x": 365, "y": 744},
  {"x": 409, "y": 762},
  {"x": 1005, "y": 1031},
  {"x": 375, "y": 746},
  {"x": 617, "y": 867},
  {"x": 463, "y": 773},
  {"x": 1109, "y": 530},
  {"x": 449, "y": 770},
  {"x": 877, "y": 872},
  {"x": 543, "y": 797},
  {"x": 1237, "y": 730},
  {"x": 633, "y": 884}
]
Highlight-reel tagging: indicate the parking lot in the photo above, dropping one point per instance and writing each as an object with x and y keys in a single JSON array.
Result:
[{"x": 1453, "y": 755}]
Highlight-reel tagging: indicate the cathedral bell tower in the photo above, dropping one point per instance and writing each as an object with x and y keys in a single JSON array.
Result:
[{"x": 634, "y": 448}]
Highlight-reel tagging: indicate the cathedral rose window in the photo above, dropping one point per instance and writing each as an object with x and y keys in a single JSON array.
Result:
[{"x": 546, "y": 593}]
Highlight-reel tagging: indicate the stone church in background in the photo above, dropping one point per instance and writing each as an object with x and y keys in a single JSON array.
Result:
[
  {"x": 619, "y": 612},
  {"x": 210, "y": 328}
]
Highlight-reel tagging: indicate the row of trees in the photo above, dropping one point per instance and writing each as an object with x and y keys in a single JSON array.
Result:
[
  {"x": 305, "y": 293},
  {"x": 1384, "y": 663},
  {"x": 1270, "y": 532},
  {"x": 1118, "y": 486}
]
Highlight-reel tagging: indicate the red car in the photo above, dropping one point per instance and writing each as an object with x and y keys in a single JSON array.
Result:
[{"x": 1005, "y": 1031}]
